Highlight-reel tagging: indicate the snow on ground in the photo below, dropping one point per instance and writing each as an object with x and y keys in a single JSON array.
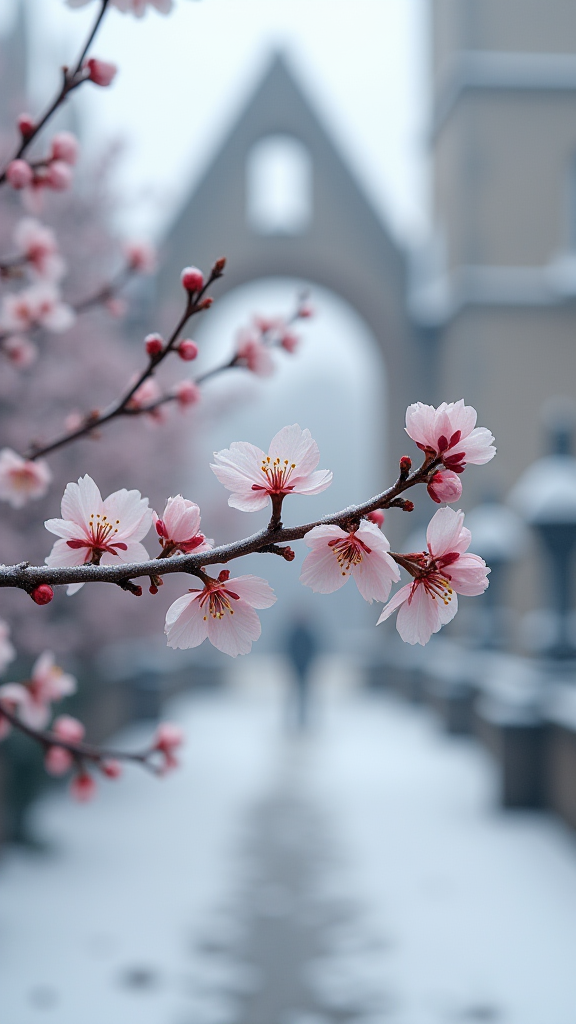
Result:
[{"x": 463, "y": 912}]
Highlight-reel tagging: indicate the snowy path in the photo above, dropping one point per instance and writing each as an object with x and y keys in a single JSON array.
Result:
[{"x": 361, "y": 874}]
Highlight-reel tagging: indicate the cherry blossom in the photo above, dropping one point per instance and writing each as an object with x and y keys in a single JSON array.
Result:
[
  {"x": 223, "y": 612},
  {"x": 12, "y": 696},
  {"x": 186, "y": 393},
  {"x": 39, "y": 246},
  {"x": 336, "y": 555},
  {"x": 167, "y": 739},
  {"x": 32, "y": 699},
  {"x": 440, "y": 573},
  {"x": 288, "y": 468},
  {"x": 255, "y": 356},
  {"x": 40, "y": 305},
  {"x": 21, "y": 479},
  {"x": 137, "y": 7},
  {"x": 140, "y": 256},
  {"x": 58, "y": 760},
  {"x": 64, "y": 146},
  {"x": 19, "y": 174},
  {"x": 450, "y": 431},
  {"x": 98, "y": 531},
  {"x": 7, "y": 652},
  {"x": 20, "y": 351},
  {"x": 179, "y": 527},
  {"x": 446, "y": 486},
  {"x": 83, "y": 787},
  {"x": 145, "y": 395},
  {"x": 101, "y": 72}
]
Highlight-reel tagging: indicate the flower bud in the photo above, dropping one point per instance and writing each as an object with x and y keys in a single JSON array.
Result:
[
  {"x": 290, "y": 342},
  {"x": 405, "y": 465},
  {"x": 26, "y": 125},
  {"x": 141, "y": 257},
  {"x": 19, "y": 174},
  {"x": 445, "y": 486},
  {"x": 58, "y": 176},
  {"x": 20, "y": 351},
  {"x": 305, "y": 311},
  {"x": 111, "y": 768},
  {"x": 218, "y": 267},
  {"x": 58, "y": 760},
  {"x": 408, "y": 506},
  {"x": 187, "y": 350},
  {"x": 83, "y": 787},
  {"x": 377, "y": 516},
  {"x": 64, "y": 146},
  {"x": 101, "y": 72},
  {"x": 187, "y": 393},
  {"x": 192, "y": 279},
  {"x": 68, "y": 728},
  {"x": 42, "y": 594},
  {"x": 154, "y": 343},
  {"x": 224, "y": 575}
]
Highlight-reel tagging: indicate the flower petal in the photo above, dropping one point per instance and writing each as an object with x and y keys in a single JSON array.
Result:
[
  {"x": 253, "y": 590},
  {"x": 185, "y": 625},
  {"x": 233, "y": 634}
]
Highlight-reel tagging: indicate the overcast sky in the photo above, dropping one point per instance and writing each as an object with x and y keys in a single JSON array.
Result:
[{"x": 184, "y": 78}]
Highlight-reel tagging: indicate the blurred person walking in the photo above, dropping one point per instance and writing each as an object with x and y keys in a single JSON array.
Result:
[{"x": 301, "y": 646}]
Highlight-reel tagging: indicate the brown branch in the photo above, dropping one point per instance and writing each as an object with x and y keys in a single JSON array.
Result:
[
  {"x": 70, "y": 80},
  {"x": 26, "y": 577},
  {"x": 196, "y": 303}
]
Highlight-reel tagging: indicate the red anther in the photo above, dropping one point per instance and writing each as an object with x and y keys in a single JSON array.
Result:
[
  {"x": 26, "y": 125},
  {"x": 101, "y": 71},
  {"x": 42, "y": 594},
  {"x": 408, "y": 506},
  {"x": 187, "y": 350},
  {"x": 224, "y": 575},
  {"x": 192, "y": 279},
  {"x": 405, "y": 464},
  {"x": 154, "y": 343},
  {"x": 288, "y": 554}
]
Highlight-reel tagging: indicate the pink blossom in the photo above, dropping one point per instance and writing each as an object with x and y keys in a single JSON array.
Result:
[
  {"x": 101, "y": 72},
  {"x": 440, "y": 573},
  {"x": 47, "y": 683},
  {"x": 166, "y": 740},
  {"x": 187, "y": 350},
  {"x": 111, "y": 768},
  {"x": 337, "y": 554},
  {"x": 137, "y": 7},
  {"x": 377, "y": 516},
  {"x": 140, "y": 256},
  {"x": 289, "y": 342},
  {"x": 450, "y": 431},
  {"x": 58, "y": 176},
  {"x": 64, "y": 146},
  {"x": 445, "y": 486},
  {"x": 83, "y": 787},
  {"x": 288, "y": 468},
  {"x": 69, "y": 729},
  {"x": 58, "y": 760},
  {"x": 255, "y": 356},
  {"x": 223, "y": 612},
  {"x": 179, "y": 527},
  {"x": 12, "y": 696},
  {"x": 38, "y": 244},
  {"x": 145, "y": 395},
  {"x": 7, "y": 652},
  {"x": 21, "y": 479},
  {"x": 96, "y": 530},
  {"x": 20, "y": 351},
  {"x": 187, "y": 393},
  {"x": 19, "y": 174},
  {"x": 40, "y": 305}
]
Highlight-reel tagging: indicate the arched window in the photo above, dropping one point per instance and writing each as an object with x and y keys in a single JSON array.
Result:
[{"x": 279, "y": 186}]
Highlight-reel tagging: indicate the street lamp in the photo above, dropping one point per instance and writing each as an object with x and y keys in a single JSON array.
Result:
[{"x": 546, "y": 496}]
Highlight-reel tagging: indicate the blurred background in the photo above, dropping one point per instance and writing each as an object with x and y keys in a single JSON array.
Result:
[{"x": 361, "y": 831}]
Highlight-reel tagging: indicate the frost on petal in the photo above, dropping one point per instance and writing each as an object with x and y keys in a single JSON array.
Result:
[{"x": 186, "y": 625}]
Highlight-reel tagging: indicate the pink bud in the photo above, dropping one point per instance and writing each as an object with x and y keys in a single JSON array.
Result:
[
  {"x": 58, "y": 176},
  {"x": 101, "y": 72},
  {"x": 187, "y": 393},
  {"x": 26, "y": 125},
  {"x": 64, "y": 146},
  {"x": 192, "y": 279},
  {"x": 58, "y": 760},
  {"x": 42, "y": 594},
  {"x": 20, "y": 351},
  {"x": 445, "y": 486},
  {"x": 19, "y": 174},
  {"x": 111, "y": 768},
  {"x": 160, "y": 528},
  {"x": 69, "y": 729},
  {"x": 187, "y": 350},
  {"x": 167, "y": 737},
  {"x": 290, "y": 342},
  {"x": 376, "y": 517},
  {"x": 83, "y": 787},
  {"x": 140, "y": 256},
  {"x": 116, "y": 307},
  {"x": 305, "y": 311},
  {"x": 154, "y": 343}
]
